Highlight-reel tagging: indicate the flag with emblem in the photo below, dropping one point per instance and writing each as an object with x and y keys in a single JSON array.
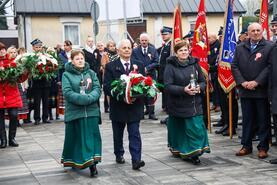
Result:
[
  {"x": 264, "y": 18},
  {"x": 200, "y": 45},
  {"x": 227, "y": 51}
]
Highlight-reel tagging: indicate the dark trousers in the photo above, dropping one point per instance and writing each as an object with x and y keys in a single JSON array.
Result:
[
  {"x": 150, "y": 106},
  {"x": 134, "y": 139},
  {"x": 41, "y": 94},
  {"x": 12, "y": 112},
  {"x": 106, "y": 103},
  {"x": 216, "y": 89},
  {"x": 255, "y": 111},
  {"x": 224, "y": 105}
]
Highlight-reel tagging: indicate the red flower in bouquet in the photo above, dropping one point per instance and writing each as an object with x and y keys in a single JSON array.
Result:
[
  {"x": 41, "y": 71},
  {"x": 137, "y": 80},
  {"x": 148, "y": 81},
  {"x": 6, "y": 65},
  {"x": 13, "y": 65},
  {"x": 47, "y": 68}
]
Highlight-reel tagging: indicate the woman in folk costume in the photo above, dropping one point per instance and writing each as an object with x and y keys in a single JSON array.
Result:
[
  {"x": 184, "y": 83},
  {"x": 64, "y": 56},
  {"x": 10, "y": 100},
  {"x": 81, "y": 90}
]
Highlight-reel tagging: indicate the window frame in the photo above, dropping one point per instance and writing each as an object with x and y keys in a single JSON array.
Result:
[{"x": 79, "y": 32}]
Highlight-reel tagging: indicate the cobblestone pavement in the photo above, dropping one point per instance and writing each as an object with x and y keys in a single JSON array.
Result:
[{"x": 37, "y": 160}]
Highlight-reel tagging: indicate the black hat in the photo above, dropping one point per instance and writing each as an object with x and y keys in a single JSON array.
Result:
[
  {"x": 166, "y": 30},
  {"x": 220, "y": 31},
  {"x": 189, "y": 35},
  {"x": 36, "y": 42},
  {"x": 274, "y": 20}
]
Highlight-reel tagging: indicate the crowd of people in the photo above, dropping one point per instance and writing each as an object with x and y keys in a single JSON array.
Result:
[{"x": 76, "y": 91}]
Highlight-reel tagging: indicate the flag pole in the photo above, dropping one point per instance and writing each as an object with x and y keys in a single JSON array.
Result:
[
  {"x": 230, "y": 115},
  {"x": 208, "y": 105}
]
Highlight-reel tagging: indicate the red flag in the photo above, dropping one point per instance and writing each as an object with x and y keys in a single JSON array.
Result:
[
  {"x": 264, "y": 18},
  {"x": 177, "y": 26},
  {"x": 200, "y": 45}
]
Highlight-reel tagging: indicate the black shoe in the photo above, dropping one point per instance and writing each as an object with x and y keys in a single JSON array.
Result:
[
  {"x": 120, "y": 160},
  {"x": 255, "y": 138},
  {"x": 226, "y": 133},
  {"x": 273, "y": 161},
  {"x": 13, "y": 143},
  {"x": 195, "y": 160},
  {"x": 3, "y": 143},
  {"x": 137, "y": 165},
  {"x": 153, "y": 117},
  {"x": 51, "y": 118},
  {"x": 27, "y": 121},
  {"x": 46, "y": 121},
  {"x": 220, "y": 131},
  {"x": 218, "y": 124},
  {"x": 93, "y": 170},
  {"x": 146, "y": 112},
  {"x": 37, "y": 122},
  {"x": 163, "y": 121},
  {"x": 57, "y": 118}
]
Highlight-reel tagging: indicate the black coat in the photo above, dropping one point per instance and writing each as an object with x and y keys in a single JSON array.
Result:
[
  {"x": 150, "y": 61},
  {"x": 119, "y": 110},
  {"x": 91, "y": 60},
  {"x": 164, "y": 53},
  {"x": 212, "y": 57},
  {"x": 273, "y": 79},
  {"x": 176, "y": 77},
  {"x": 248, "y": 66}
]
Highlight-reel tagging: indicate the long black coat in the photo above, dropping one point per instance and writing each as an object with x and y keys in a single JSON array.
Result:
[
  {"x": 176, "y": 76},
  {"x": 248, "y": 66},
  {"x": 119, "y": 110},
  {"x": 273, "y": 79}
]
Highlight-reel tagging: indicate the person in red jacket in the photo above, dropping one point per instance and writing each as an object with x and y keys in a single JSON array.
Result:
[{"x": 10, "y": 100}]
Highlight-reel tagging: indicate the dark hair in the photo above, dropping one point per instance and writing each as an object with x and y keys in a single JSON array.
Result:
[
  {"x": 68, "y": 42},
  {"x": 180, "y": 45},
  {"x": 75, "y": 53},
  {"x": 2, "y": 46}
]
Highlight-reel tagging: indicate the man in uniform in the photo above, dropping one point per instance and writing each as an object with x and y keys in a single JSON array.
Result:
[
  {"x": 40, "y": 90},
  {"x": 164, "y": 53}
]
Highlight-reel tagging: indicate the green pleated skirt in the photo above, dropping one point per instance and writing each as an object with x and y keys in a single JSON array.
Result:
[
  {"x": 187, "y": 137},
  {"x": 82, "y": 143}
]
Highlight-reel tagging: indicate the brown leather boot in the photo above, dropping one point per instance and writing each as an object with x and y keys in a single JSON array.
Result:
[{"x": 243, "y": 151}]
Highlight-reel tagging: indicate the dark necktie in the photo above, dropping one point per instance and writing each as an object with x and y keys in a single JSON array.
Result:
[
  {"x": 144, "y": 51},
  {"x": 127, "y": 68}
]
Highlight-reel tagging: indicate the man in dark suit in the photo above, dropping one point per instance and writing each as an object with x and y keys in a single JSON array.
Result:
[
  {"x": 164, "y": 52},
  {"x": 121, "y": 113},
  {"x": 250, "y": 69},
  {"x": 147, "y": 54}
]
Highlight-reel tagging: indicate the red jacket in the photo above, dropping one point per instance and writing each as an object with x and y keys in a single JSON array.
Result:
[{"x": 9, "y": 94}]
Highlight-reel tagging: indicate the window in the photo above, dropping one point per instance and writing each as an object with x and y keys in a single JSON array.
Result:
[
  {"x": 192, "y": 25},
  {"x": 72, "y": 33}
]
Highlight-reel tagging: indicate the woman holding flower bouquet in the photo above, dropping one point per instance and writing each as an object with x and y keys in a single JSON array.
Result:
[
  {"x": 184, "y": 83},
  {"x": 81, "y": 90},
  {"x": 10, "y": 99}
]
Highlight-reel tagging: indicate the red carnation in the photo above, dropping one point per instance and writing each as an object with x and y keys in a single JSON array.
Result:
[
  {"x": 13, "y": 65},
  {"x": 148, "y": 81},
  {"x": 41, "y": 71},
  {"x": 47, "y": 68},
  {"x": 137, "y": 80},
  {"x": 6, "y": 65}
]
